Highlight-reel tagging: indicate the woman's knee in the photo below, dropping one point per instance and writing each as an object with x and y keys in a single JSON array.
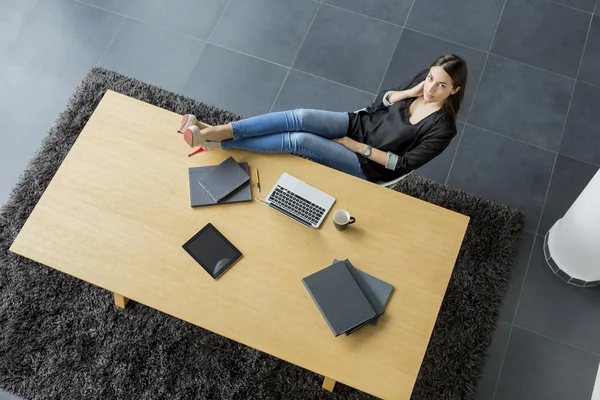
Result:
[
  {"x": 300, "y": 140},
  {"x": 300, "y": 112},
  {"x": 299, "y": 115}
]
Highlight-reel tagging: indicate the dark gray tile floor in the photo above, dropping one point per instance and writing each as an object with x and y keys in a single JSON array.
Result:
[{"x": 528, "y": 135}]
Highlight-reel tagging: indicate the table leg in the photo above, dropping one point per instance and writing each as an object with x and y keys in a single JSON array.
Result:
[
  {"x": 328, "y": 384},
  {"x": 121, "y": 301}
]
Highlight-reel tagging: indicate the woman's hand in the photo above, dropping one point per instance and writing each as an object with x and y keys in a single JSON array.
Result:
[
  {"x": 416, "y": 91},
  {"x": 350, "y": 144}
]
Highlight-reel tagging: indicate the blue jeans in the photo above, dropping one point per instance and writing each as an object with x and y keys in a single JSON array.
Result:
[{"x": 306, "y": 133}]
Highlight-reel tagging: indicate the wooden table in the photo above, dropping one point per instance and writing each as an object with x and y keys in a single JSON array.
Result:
[{"x": 118, "y": 211}]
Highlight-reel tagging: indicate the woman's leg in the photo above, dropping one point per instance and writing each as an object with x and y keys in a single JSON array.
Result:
[
  {"x": 315, "y": 148},
  {"x": 327, "y": 124}
]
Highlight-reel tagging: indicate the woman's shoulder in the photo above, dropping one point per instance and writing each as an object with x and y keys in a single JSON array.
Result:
[{"x": 444, "y": 124}]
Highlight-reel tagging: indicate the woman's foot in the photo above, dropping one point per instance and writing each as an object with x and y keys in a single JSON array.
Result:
[
  {"x": 193, "y": 137},
  {"x": 189, "y": 120},
  {"x": 218, "y": 133}
]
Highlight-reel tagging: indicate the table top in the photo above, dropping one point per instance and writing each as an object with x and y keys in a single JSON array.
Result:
[{"x": 118, "y": 210}]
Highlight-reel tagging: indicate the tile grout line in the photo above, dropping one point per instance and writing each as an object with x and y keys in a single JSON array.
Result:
[
  {"x": 105, "y": 9},
  {"x": 245, "y": 54},
  {"x": 25, "y": 24},
  {"x": 225, "y": 47},
  {"x": 112, "y": 41},
  {"x": 409, "y": 11},
  {"x": 164, "y": 28},
  {"x": 512, "y": 323},
  {"x": 389, "y": 63},
  {"x": 241, "y": 52},
  {"x": 562, "y": 133},
  {"x": 187, "y": 80},
  {"x": 296, "y": 56},
  {"x": 457, "y": 43},
  {"x": 533, "y": 66},
  {"x": 329, "y": 80},
  {"x": 487, "y": 56},
  {"x": 557, "y": 341},
  {"x": 571, "y": 7},
  {"x": 444, "y": 39},
  {"x": 364, "y": 15},
  {"x": 218, "y": 21},
  {"x": 455, "y": 153},
  {"x": 272, "y": 62},
  {"x": 279, "y": 91},
  {"x": 493, "y": 54},
  {"x": 118, "y": 29},
  {"x": 528, "y": 144},
  {"x": 551, "y": 174},
  {"x": 395, "y": 48},
  {"x": 510, "y": 137},
  {"x": 406, "y": 20}
]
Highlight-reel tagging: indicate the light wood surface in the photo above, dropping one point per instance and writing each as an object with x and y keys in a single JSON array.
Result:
[
  {"x": 118, "y": 211},
  {"x": 121, "y": 301},
  {"x": 328, "y": 384}
]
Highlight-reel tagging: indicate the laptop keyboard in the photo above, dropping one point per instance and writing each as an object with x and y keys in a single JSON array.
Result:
[{"x": 291, "y": 203}]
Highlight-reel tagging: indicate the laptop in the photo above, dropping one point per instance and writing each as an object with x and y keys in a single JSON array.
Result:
[{"x": 300, "y": 201}]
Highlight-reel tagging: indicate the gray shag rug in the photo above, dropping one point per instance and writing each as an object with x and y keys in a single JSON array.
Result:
[{"x": 61, "y": 338}]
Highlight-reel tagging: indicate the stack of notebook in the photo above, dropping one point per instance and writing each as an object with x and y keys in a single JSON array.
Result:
[
  {"x": 347, "y": 297},
  {"x": 228, "y": 182}
]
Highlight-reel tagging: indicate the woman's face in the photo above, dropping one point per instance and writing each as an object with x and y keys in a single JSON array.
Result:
[{"x": 438, "y": 85}]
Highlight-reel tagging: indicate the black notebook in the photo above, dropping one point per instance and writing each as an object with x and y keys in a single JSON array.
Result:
[
  {"x": 200, "y": 197},
  {"x": 375, "y": 290},
  {"x": 224, "y": 179},
  {"x": 378, "y": 292},
  {"x": 339, "y": 298}
]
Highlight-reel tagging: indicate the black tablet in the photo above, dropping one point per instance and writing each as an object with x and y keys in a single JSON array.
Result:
[{"x": 212, "y": 251}]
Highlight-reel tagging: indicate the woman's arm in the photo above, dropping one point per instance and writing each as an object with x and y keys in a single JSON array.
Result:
[
  {"x": 410, "y": 84},
  {"x": 421, "y": 154},
  {"x": 431, "y": 146},
  {"x": 392, "y": 97},
  {"x": 380, "y": 157}
]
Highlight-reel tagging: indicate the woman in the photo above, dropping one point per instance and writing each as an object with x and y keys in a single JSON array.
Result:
[{"x": 402, "y": 130}]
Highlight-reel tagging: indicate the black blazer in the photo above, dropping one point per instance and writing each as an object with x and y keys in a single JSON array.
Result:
[{"x": 387, "y": 128}]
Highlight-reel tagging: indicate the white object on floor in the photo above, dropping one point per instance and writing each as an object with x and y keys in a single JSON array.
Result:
[
  {"x": 574, "y": 240},
  {"x": 596, "y": 392}
]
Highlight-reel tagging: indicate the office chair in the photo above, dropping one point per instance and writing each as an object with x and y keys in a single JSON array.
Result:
[{"x": 393, "y": 182}]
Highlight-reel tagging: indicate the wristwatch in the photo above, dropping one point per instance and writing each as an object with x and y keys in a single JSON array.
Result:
[{"x": 366, "y": 151}]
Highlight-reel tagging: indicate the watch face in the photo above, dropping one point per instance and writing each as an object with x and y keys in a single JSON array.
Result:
[{"x": 367, "y": 151}]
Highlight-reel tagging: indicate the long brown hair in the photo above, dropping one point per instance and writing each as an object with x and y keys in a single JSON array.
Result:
[{"x": 456, "y": 67}]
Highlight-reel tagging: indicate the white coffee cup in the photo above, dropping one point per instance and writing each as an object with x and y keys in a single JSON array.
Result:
[{"x": 341, "y": 219}]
